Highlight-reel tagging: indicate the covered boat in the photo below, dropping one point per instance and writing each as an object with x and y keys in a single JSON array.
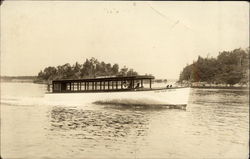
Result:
[{"x": 118, "y": 90}]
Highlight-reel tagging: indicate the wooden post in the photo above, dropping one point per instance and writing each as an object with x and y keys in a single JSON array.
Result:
[
  {"x": 48, "y": 88},
  {"x": 100, "y": 85},
  {"x": 108, "y": 85},
  {"x": 80, "y": 86},
  {"x": 95, "y": 85},
  {"x": 142, "y": 83},
  {"x": 85, "y": 86},
  {"x": 92, "y": 85},
  {"x": 103, "y": 85},
  {"x": 70, "y": 86},
  {"x": 52, "y": 86},
  {"x": 150, "y": 83},
  {"x": 112, "y": 84},
  {"x": 116, "y": 84}
]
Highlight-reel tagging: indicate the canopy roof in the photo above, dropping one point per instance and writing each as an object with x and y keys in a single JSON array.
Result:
[{"x": 116, "y": 78}]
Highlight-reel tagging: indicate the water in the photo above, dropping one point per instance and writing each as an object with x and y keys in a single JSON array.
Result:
[{"x": 214, "y": 125}]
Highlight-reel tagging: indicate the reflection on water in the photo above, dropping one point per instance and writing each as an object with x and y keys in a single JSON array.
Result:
[
  {"x": 220, "y": 96},
  {"x": 106, "y": 132},
  {"x": 214, "y": 125},
  {"x": 98, "y": 124}
]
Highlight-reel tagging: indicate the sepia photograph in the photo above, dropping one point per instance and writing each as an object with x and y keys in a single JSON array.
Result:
[{"x": 124, "y": 79}]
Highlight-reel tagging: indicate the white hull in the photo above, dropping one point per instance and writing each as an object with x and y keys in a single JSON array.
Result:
[{"x": 178, "y": 96}]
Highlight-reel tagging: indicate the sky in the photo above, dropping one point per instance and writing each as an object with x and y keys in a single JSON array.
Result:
[{"x": 158, "y": 38}]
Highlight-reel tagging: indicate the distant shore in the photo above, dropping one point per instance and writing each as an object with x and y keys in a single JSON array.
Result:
[
  {"x": 33, "y": 79},
  {"x": 220, "y": 87},
  {"x": 18, "y": 78}
]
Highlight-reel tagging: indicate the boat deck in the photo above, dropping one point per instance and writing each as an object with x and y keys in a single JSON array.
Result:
[{"x": 118, "y": 90}]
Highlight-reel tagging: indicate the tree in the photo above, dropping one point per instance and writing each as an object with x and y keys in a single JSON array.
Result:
[
  {"x": 115, "y": 69},
  {"x": 230, "y": 67},
  {"x": 48, "y": 73},
  {"x": 76, "y": 70},
  {"x": 89, "y": 69}
]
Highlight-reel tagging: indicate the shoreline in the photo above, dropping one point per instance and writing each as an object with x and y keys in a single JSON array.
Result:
[
  {"x": 198, "y": 87},
  {"x": 220, "y": 87}
]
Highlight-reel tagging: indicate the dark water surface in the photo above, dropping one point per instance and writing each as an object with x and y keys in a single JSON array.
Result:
[{"x": 214, "y": 125}]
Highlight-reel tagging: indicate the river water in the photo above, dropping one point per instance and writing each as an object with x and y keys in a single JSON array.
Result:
[{"x": 214, "y": 125}]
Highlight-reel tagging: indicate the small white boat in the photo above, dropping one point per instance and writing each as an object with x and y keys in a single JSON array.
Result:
[{"x": 129, "y": 91}]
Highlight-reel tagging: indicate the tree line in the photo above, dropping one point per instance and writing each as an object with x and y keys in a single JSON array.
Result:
[
  {"x": 229, "y": 67},
  {"x": 91, "y": 68}
]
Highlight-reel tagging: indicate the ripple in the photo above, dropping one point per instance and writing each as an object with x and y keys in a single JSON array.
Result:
[{"x": 98, "y": 123}]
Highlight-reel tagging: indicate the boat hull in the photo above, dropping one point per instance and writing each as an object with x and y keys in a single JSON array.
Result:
[{"x": 163, "y": 97}]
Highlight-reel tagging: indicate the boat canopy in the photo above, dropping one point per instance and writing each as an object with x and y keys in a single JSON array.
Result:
[{"x": 99, "y": 84}]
